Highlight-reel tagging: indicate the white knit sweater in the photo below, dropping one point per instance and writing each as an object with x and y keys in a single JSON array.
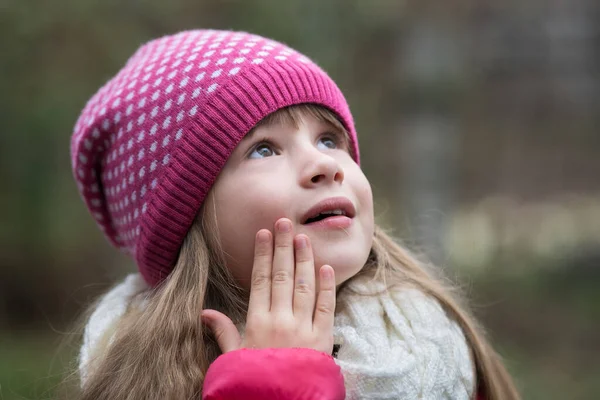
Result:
[{"x": 396, "y": 345}]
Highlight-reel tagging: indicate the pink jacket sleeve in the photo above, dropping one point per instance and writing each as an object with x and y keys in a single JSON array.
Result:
[{"x": 269, "y": 374}]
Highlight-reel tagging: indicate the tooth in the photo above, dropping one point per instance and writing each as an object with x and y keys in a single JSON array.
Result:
[{"x": 330, "y": 212}]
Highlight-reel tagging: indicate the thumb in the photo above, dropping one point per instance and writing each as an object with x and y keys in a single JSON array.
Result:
[{"x": 223, "y": 330}]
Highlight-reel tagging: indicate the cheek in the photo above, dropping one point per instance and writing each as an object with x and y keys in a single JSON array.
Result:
[
  {"x": 364, "y": 196},
  {"x": 242, "y": 210},
  {"x": 253, "y": 206},
  {"x": 363, "y": 192}
]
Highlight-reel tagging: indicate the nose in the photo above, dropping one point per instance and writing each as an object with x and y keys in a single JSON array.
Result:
[{"x": 321, "y": 169}]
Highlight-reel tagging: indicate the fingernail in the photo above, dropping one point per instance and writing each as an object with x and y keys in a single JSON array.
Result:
[
  {"x": 301, "y": 242},
  {"x": 284, "y": 226},
  {"x": 327, "y": 273},
  {"x": 263, "y": 236}
]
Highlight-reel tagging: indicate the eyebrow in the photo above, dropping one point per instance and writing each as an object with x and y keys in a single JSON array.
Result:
[
  {"x": 252, "y": 131},
  {"x": 261, "y": 124}
]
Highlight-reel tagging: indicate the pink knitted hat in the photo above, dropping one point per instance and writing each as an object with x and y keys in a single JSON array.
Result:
[{"x": 150, "y": 143}]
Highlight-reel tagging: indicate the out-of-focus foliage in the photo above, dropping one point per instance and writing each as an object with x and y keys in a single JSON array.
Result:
[{"x": 478, "y": 123}]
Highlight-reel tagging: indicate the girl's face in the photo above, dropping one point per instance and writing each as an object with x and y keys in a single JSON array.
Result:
[{"x": 278, "y": 171}]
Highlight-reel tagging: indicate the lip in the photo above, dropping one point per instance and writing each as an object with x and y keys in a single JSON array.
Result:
[
  {"x": 337, "y": 222},
  {"x": 330, "y": 204}
]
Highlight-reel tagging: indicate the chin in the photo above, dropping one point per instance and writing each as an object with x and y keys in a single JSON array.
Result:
[{"x": 345, "y": 265}]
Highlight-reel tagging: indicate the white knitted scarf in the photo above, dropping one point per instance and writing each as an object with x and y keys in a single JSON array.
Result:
[{"x": 395, "y": 345}]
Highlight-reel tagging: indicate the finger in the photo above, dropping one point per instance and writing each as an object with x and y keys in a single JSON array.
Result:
[
  {"x": 223, "y": 329},
  {"x": 325, "y": 307},
  {"x": 260, "y": 287},
  {"x": 282, "y": 275},
  {"x": 304, "y": 279}
]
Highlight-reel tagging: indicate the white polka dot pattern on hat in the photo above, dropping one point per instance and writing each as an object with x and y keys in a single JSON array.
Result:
[{"x": 164, "y": 66}]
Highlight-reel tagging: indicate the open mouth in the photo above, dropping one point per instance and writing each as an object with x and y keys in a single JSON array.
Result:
[
  {"x": 332, "y": 209},
  {"x": 325, "y": 214}
]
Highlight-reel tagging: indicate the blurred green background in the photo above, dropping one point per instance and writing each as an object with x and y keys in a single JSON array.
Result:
[{"x": 479, "y": 130}]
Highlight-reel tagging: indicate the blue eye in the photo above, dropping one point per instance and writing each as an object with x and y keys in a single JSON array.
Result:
[
  {"x": 328, "y": 142},
  {"x": 261, "y": 151}
]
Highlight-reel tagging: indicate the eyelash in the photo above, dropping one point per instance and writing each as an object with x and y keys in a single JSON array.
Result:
[
  {"x": 261, "y": 142},
  {"x": 337, "y": 137}
]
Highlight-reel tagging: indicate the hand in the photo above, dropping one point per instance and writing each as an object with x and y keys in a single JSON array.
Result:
[{"x": 282, "y": 311}]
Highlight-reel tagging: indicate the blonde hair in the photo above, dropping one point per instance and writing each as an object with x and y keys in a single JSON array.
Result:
[{"x": 162, "y": 351}]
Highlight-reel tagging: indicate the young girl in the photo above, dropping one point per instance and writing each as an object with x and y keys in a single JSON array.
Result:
[{"x": 227, "y": 166}]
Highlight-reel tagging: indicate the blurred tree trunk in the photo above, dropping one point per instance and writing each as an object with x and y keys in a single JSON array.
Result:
[{"x": 429, "y": 59}]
